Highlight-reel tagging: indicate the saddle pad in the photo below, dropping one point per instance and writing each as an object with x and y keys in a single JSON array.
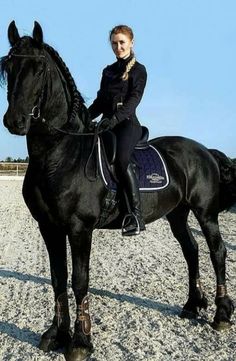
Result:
[{"x": 150, "y": 169}]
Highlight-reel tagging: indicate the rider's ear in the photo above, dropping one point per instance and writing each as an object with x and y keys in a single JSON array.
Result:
[
  {"x": 38, "y": 32},
  {"x": 13, "y": 34}
]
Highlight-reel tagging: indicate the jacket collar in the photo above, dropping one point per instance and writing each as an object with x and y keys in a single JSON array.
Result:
[{"x": 123, "y": 62}]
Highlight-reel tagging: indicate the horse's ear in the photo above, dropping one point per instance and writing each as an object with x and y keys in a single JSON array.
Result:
[
  {"x": 13, "y": 34},
  {"x": 38, "y": 32}
]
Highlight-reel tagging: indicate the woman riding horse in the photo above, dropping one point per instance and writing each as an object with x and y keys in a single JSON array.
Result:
[
  {"x": 121, "y": 90},
  {"x": 45, "y": 105}
]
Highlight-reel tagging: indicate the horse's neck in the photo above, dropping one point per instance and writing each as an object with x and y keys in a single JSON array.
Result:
[
  {"x": 46, "y": 139},
  {"x": 46, "y": 151},
  {"x": 62, "y": 102},
  {"x": 58, "y": 103},
  {"x": 39, "y": 146}
]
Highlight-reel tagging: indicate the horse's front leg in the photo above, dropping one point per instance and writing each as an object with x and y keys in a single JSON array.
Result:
[
  {"x": 80, "y": 239},
  {"x": 58, "y": 335}
]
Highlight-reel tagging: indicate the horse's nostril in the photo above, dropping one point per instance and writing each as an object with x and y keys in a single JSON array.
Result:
[{"x": 20, "y": 123}]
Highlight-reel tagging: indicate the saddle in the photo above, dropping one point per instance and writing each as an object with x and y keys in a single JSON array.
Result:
[
  {"x": 149, "y": 165},
  {"x": 108, "y": 142}
]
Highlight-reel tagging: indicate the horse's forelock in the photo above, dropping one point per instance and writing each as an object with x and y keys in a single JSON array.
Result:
[
  {"x": 25, "y": 44},
  {"x": 3, "y": 61}
]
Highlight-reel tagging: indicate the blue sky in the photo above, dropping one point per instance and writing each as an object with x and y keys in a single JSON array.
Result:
[{"x": 188, "y": 48}]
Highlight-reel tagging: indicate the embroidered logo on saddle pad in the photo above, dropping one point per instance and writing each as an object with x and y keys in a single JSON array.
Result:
[{"x": 150, "y": 169}]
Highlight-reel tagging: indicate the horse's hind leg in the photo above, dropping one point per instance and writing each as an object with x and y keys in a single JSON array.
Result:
[
  {"x": 80, "y": 241},
  {"x": 58, "y": 335},
  {"x": 224, "y": 305},
  {"x": 181, "y": 231}
]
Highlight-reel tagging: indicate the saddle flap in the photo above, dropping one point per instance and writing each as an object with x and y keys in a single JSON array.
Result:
[{"x": 151, "y": 170}]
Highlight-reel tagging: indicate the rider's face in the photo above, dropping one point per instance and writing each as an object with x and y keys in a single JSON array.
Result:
[{"x": 121, "y": 45}]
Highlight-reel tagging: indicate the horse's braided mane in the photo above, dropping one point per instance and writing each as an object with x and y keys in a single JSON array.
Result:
[{"x": 77, "y": 98}]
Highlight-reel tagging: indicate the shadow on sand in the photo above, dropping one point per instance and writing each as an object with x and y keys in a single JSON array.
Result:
[
  {"x": 21, "y": 334},
  {"x": 28, "y": 336},
  {"x": 229, "y": 245},
  {"x": 138, "y": 301}
]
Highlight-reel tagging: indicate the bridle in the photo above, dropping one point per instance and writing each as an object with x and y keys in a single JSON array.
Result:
[{"x": 36, "y": 110}]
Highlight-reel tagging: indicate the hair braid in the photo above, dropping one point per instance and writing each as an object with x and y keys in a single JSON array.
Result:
[
  {"x": 77, "y": 98},
  {"x": 129, "y": 66}
]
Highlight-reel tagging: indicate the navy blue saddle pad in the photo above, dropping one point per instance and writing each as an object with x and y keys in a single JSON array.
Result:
[{"x": 150, "y": 169}]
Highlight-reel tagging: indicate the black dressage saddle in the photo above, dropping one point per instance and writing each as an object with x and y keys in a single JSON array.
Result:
[{"x": 108, "y": 143}]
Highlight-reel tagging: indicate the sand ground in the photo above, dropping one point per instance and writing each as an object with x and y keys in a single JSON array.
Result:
[{"x": 137, "y": 289}]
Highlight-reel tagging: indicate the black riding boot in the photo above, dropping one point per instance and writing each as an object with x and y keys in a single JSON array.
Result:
[{"x": 133, "y": 222}]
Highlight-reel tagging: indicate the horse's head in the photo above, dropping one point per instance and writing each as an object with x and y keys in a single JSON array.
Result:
[
  {"x": 25, "y": 68},
  {"x": 41, "y": 91}
]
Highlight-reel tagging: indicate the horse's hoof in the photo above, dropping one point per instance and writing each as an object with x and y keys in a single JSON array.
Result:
[
  {"x": 48, "y": 344},
  {"x": 221, "y": 326},
  {"x": 77, "y": 354},
  {"x": 188, "y": 314},
  {"x": 54, "y": 343}
]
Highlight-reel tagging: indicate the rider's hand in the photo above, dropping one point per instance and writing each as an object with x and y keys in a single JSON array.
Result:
[{"x": 108, "y": 124}]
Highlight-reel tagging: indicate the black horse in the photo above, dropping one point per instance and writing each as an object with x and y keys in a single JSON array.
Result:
[{"x": 45, "y": 105}]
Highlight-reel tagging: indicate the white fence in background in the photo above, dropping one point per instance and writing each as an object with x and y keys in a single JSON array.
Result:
[{"x": 12, "y": 169}]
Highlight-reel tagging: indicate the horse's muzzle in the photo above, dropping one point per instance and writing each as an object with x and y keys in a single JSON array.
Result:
[{"x": 18, "y": 126}]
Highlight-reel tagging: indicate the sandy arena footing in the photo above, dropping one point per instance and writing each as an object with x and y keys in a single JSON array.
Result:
[{"x": 137, "y": 288}]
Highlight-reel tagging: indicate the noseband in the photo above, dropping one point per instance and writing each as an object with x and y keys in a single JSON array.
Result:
[{"x": 36, "y": 110}]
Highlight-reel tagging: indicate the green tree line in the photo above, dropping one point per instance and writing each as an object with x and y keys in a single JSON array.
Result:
[
  {"x": 26, "y": 160},
  {"x": 14, "y": 160}
]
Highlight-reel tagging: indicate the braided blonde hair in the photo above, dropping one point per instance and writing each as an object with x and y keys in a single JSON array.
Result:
[{"x": 129, "y": 66}]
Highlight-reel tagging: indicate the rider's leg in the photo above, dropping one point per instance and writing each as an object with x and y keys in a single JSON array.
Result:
[
  {"x": 133, "y": 223},
  {"x": 128, "y": 133}
]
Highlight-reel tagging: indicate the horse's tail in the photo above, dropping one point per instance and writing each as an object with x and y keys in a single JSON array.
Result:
[{"x": 227, "y": 169}]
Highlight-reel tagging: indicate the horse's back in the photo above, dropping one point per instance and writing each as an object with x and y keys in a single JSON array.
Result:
[
  {"x": 177, "y": 144},
  {"x": 191, "y": 166},
  {"x": 185, "y": 152}
]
